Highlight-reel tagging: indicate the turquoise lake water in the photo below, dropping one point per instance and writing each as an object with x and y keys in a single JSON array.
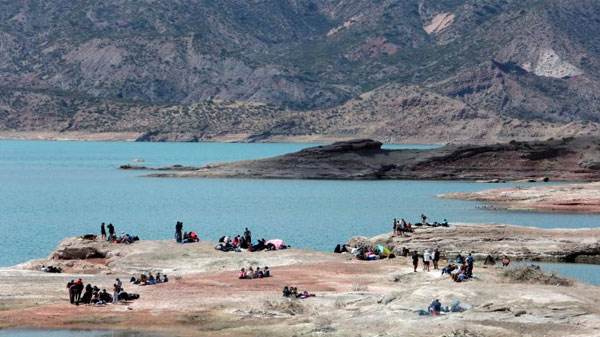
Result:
[{"x": 50, "y": 190}]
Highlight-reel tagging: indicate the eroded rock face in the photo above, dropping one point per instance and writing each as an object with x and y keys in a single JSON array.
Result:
[{"x": 80, "y": 249}]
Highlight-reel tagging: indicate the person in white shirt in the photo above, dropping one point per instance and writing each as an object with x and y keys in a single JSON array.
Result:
[{"x": 426, "y": 259}]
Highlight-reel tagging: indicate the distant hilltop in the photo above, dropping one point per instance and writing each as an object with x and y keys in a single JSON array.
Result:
[{"x": 404, "y": 71}]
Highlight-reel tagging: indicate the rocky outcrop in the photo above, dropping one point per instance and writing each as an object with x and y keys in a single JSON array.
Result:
[
  {"x": 497, "y": 240},
  {"x": 80, "y": 249},
  {"x": 365, "y": 159},
  {"x": 572, "y": 198},
  {"x": 204, "y": 297}
]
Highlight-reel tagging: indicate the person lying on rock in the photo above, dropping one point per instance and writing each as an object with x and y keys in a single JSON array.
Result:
[
  {"x": 305, "y": 294},
  {"x": 51, "y": 269}
]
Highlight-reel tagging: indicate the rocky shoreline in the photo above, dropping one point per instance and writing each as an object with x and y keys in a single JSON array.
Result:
[
  {"x": 570, "y": 198},
  {"x": 354, "y": 298},
  {"x": 573, "y": 159},
  {"x": 497, "y": 240}
]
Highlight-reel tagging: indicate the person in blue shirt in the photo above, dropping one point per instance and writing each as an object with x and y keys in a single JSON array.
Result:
[{"x": 470, "y": 265}]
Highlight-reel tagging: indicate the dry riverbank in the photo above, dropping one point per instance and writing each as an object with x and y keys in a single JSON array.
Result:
[
  {"x": 354, "y": 298},
  {"x": 571, "y": 198}
]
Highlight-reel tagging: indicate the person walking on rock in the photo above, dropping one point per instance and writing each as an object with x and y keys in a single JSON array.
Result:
[
  {"x": 436, "y": 258},
  {"x": 103, "y": 231},
  {"x": 415, "y": 260}
]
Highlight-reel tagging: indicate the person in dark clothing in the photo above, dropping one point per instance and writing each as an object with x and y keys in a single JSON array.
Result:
[
  {"x": 415, "y": 260},
  {"x": 87, "y": 296},
  {"x": 178, "y": 231},
  {"x": 72, "y": 291},
  {"x": 435, "y": 307},
  {"x": 436, "y": 258},
  {"x": 338, "y": 249},
  {"x": 111, "y": 232},
  {"x": 103, "y": 231},
  {"x": 248, "y": 236},
  {"x": 470, "y": 265},
  {"x": 79, "y": 289}
]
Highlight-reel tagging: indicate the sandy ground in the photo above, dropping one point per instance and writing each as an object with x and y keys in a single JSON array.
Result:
[
  {"x": 354, "y": 298},
  {"x": 571, "y": 198}
]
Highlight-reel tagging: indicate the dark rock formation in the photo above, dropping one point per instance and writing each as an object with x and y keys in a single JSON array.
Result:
[{"x": 365, "y": 159}]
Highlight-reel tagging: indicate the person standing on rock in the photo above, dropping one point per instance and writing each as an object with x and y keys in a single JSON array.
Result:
[
  {"x": 436, "y": 258},
  {"x": 248, "y": 236},
  {"x": 111, "y": 231},
  {"x": 395, "y": 227},
  {"x": 426, "y": 259},
  {"x": 79, "y": 288},
  {"x": 72, "y": 291},
  {"x": 470, "y": 265},
  {"x": 103, "y": 231},
  {"x": 415, "y": 260},
  {"x": 423, "y": 219},
  {"x": 178, "y": 231},
  {"x": 401, "y": 227}
]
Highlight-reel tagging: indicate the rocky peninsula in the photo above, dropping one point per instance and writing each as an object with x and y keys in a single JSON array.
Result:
[
  {"x": 353, "y": 298},
  {"x": 570, "y": 198},
  {"x": 567, "y": 159}
]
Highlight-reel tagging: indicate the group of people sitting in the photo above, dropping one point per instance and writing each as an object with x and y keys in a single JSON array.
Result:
[
  {"x": 292, "y": 292},
  {"x": 51, "y": 269},
  {"x": 252, "y": 273},
  {"x": 340, "y": 249},
  {"x": 238, "y": 243},
  {"x": 112, "y": 237},
  {"x": 461, "y": 270},
  {"x": 435, "y": 308},
  {"x": 184, "y": 237},
  {"x": 367, "y": 253},
  {"x": 125, "y": 238},
  {"x": 93, "y": 295},
  {"x": 401, "y": 226},
  {"x": 149, "y": 279}
]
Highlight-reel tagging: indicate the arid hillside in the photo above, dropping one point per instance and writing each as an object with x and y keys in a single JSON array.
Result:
[{"x": 395, "y": 70}]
